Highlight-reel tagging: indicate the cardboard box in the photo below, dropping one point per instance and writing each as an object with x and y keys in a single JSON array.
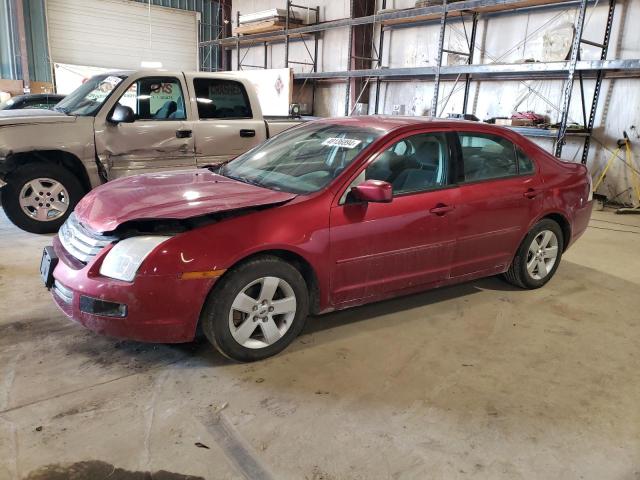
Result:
[{"x": 14, "y": 87}]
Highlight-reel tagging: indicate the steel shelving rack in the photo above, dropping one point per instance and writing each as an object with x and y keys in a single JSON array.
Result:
[{"x": 569, "y": 70}]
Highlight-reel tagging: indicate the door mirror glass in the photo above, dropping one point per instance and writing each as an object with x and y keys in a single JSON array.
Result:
[
  {"x": 373, "y": 191},
  {"x": 122, "y": 114}
]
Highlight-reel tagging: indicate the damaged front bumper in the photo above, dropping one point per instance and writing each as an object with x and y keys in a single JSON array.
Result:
[{"x": 152, "y": 308}]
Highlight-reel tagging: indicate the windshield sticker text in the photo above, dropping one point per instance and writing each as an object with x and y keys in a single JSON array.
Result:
[{"x": 342, "y": 142}]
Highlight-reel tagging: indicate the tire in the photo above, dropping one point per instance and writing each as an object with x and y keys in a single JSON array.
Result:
[
  {"x": 252, "y": 279},
  {"x": 49, "y": 177},
  {"x": 519, "y": 273}
]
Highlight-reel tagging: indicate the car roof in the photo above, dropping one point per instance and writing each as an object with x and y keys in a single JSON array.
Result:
[{"x": 389, "y": 123}]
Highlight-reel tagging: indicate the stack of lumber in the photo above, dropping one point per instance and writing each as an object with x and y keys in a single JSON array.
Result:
[{"x": 271, "y": 20}]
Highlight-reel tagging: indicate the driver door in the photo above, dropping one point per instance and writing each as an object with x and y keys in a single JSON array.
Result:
[
  {"x": 381, "y": 248},
  {"x": 160, "y": 137}
]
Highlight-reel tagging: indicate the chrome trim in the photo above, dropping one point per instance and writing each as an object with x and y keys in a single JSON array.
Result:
[
  {"x": 81, "y": 242},
  {"x": 65, "y": 294}
]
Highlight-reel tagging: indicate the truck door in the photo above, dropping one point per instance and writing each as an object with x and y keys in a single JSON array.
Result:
[
  {"x": 160, "y": 136},
  {"x": 227, "y": 124}
]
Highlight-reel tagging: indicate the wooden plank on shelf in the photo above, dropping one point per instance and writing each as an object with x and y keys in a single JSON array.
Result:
[
  {"x": 265, "y": 26},
  {"x": 488, "y": 8},
  {"x": 230, "y": 42}
]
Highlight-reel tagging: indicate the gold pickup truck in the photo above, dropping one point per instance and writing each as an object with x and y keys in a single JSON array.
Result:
[{"x": 119, "y": 124}]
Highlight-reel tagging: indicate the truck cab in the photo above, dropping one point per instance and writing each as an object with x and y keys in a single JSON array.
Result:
[{"x": 119, "y": 124}]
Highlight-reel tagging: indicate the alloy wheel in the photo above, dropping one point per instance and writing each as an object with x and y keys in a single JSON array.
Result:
[
  {"x": 262, "y": 313},
  {"x": 542, "y": 254},
  {"x": 44, "y": 199}
]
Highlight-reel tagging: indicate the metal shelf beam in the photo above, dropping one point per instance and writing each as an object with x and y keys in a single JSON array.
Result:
[
  {"x": 411, "y": 14},
  {"x": 534, "y": 70}
]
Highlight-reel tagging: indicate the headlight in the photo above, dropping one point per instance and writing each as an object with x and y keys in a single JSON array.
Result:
[{"x": 124, "y": 259}]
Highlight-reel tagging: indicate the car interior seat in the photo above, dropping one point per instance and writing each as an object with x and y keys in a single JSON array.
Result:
[
  {"x": 167, "y": 109},
  {"x": 424, "y": 172},
  {"x": 179, "y": 114}
]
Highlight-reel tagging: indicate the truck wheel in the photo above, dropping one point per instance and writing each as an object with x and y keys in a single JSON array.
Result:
[
  {"x": 39, "y": 197},
  {"x": 256, "y": 310}
]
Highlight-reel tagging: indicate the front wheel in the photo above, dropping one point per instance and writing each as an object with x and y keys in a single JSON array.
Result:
[
  {"x": 257, "y": 309},
  {"x": 538, "y": 257},
  {"x": 39, "y": 197}
]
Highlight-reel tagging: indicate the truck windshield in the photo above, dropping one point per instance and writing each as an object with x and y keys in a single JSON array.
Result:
[
  {"x": 88, "y": 97},
  {"x": 302, "y": 160}
]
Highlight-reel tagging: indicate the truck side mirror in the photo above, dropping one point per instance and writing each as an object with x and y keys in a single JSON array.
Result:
[{"x": 122, "y": 114}]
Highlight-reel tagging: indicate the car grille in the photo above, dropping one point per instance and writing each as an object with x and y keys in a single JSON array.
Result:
[
  {"x": 62, "y": 292},
  {"x": 81, "y": 242}
]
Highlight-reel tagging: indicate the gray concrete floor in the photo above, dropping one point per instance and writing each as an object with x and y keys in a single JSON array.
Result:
[{"x": 474, "y": 381}]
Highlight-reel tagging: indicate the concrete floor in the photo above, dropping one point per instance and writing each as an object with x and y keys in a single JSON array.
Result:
[{"x": 475, "y": 381}]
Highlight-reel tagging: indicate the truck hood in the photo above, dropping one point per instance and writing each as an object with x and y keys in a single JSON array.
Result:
[
  {"x": 33, "y": 116},
  {"x": 175, "y": 195}
]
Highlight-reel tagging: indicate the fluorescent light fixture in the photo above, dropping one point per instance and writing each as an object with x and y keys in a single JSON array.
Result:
[{"x": 150, "y": 64}]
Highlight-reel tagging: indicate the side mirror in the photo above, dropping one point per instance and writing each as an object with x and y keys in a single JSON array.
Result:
[
  {"x": 373, "y": 191},
  {"x": 122, "y": 114}
]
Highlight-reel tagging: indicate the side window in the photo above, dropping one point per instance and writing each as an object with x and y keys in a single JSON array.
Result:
[
  {"x": 487, "y": 156},
  {"x": 413, "y": 164},
  {"x": 158, "y": 98},
  {"x": 221, "y": 99},
  {"x": 525, "y": 164}
]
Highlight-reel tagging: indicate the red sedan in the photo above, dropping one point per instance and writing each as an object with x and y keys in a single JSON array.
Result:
[{"x": 331, "y": 214}]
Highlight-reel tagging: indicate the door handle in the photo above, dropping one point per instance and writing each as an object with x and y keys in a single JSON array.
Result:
[
  {"x": 441, "y": 209},
  {"x": 247, "y": 133},
  {"x": 531, "y": 193},
  {"x": 183, "y": 133}
]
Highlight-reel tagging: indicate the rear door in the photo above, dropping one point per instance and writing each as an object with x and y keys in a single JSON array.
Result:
[
  {"x": 381, "y": 248},
  {"x": 500, "y": 194},
  {"x": 229, "y": 119},
  {"x": 160, "y": 138}
]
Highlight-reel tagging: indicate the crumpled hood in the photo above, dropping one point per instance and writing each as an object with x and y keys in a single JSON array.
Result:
[
  {"x": 174, "y": 195},
  {"x": 33, "y": 116}
]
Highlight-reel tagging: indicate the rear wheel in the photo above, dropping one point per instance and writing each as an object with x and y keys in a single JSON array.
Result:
[
  {"x": 538, "y": 257},
  {"x": 39, "y": 197},
  {"x": 256, "y": 310}
]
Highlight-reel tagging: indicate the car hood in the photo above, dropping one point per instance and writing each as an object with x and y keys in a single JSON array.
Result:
[
  {"x": 32, "y": 116},
  {"x": 175, "y": 195}
]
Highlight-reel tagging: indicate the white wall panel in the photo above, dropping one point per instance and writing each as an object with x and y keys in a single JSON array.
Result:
[{"x": 116, "y": 34}]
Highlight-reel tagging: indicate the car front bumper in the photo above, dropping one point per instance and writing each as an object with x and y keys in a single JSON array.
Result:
[{"x": 159, "y": 308}]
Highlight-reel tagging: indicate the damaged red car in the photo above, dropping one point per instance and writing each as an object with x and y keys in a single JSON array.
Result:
[{"x": 328, "y": 215}]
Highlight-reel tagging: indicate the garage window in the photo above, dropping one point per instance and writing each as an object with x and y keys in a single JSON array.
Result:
[
  {"x": 221, "y": 99},
  {"x": 487, "y": 156}
]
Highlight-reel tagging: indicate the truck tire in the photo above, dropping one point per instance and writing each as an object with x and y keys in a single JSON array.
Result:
[{"x": 39, "y": 197}]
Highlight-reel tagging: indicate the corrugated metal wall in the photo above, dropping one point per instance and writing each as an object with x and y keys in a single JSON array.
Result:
[
  {"x": 36, "y": 30},
  {"x": 9, "y": 59}
]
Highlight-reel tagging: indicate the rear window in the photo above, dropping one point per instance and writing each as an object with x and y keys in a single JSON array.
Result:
[
  {"x": 487, "y": 156},
  {"x": 218, "y": 98}
]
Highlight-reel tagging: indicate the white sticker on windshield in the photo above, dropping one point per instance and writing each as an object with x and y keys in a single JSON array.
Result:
[
  {"x": 342, "y": 142},
  {"x": 113, "y": 80}
]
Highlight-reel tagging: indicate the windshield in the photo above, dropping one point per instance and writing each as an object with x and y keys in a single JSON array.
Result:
[
  {"x": 302, "y": 160},
  {"x": 87, "y": 98}
]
